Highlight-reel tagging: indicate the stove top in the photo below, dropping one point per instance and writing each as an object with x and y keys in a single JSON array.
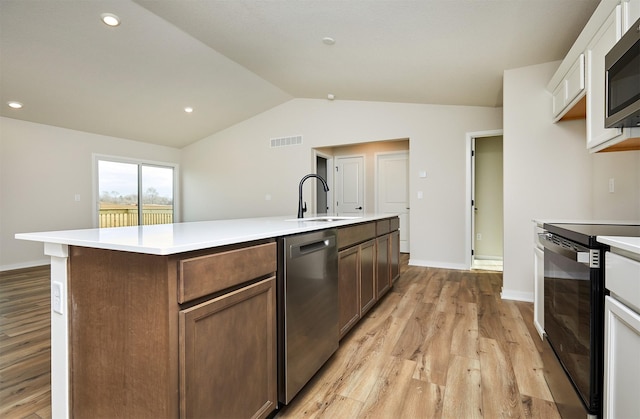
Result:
[{"x": 586, "y": 234}]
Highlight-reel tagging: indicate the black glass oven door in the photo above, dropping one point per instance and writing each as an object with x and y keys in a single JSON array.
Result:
[{"x": 567, "y": 317}]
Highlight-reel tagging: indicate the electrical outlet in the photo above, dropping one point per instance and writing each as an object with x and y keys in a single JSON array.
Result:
[
  {"x": 57, "y": 297},
  {"x": 479, "y": 236},
  {"x": 612, "y": 185}
]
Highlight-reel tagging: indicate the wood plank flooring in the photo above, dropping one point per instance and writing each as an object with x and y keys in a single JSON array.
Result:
[
  {"x": 441, "y": 344},
  {"x": 25, "y": 343}
]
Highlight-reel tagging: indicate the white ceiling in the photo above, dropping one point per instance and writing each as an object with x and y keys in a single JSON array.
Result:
[{"x": 231, "y": 60}]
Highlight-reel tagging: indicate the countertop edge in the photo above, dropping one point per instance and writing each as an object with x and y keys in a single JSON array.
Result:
[
  {"x": 168, "y": 239},
  {"x": 628, "y": 244}
]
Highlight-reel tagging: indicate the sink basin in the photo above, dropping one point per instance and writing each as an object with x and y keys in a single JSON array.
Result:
[{"x": 327, "y": 218}]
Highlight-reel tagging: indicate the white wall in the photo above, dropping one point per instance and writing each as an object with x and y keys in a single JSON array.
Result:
[
  {"x": 549, "y": 174},
  {"x": 624, "y": 202},
  {"x": 42, "y": 168},
  {"x": 229, "y": 174}
]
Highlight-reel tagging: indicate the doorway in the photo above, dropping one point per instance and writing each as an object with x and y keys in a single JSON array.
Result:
[
  {"x": 485, "y": 208},
  {"x": 324, "y": 200}
]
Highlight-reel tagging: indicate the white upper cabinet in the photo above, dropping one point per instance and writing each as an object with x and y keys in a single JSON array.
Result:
[
  {"x": 630, "y": 13},
  {"x": 579, "y": 92},
  {"x": 599, "y": 46},
  {"x": 570, "y": 91}
]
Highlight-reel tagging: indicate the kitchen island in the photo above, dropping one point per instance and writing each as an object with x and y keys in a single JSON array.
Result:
[{"x": 128, "y": 338}]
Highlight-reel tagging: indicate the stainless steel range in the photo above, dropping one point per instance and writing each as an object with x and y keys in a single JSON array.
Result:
[{"x": 574, "y": 313}]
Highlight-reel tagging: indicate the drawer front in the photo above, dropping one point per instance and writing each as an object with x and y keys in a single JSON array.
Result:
[
  {"x": 348, "y": 236},
  {"x": 382, "y": 227},
  {"x": 394, "y": 223},
  {"x": 622, "y": 277},
  {"x": 203, "y": 275}
]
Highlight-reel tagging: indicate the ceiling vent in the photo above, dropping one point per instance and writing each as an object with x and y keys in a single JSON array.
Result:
[{"x": 286, "y": 141}]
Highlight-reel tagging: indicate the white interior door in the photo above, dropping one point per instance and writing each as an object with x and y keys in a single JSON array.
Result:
[
  {"x": 350, "y": 186},
  {"x": 393, "y": 190}
]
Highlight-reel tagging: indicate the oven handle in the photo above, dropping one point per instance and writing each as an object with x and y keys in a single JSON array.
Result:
[{"x": 570, "y": 250}]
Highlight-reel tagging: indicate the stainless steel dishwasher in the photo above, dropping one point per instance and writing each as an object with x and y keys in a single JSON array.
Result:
[{"x": 308, "y": 308}]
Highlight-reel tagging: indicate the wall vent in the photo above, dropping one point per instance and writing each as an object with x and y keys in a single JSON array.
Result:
[{"x": 286, "y": 141}]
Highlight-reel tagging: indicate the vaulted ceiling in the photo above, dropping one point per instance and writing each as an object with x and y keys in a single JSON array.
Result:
[{"x": 231, "y": 60}]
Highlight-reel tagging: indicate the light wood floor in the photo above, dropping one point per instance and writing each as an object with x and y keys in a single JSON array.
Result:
[
  {"x": 441, "y": 344},
  {"x": 25, "y": 343}
]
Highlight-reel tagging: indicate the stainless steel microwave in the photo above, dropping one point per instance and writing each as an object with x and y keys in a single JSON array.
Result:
[{"x": 622, "y": 81}]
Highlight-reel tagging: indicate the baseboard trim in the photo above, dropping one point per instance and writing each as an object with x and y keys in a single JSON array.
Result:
[
  {"x": 539, "y": 328},
  {"x": 516, "y": 295},
  {"x": 23, "y": 265},
  {"x": 435, "y": 264}
]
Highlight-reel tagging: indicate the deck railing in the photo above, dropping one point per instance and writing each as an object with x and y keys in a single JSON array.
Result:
[{"x": 127, "y": 215}]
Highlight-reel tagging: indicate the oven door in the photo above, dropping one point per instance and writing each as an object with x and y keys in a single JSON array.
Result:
[{"x": 573, "y": 288}]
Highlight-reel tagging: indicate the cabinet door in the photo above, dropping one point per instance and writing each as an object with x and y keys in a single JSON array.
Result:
[
  {"x": 383, "y": 266},
  {"x": 367, "y": 276},
  {"x": 600, "y": 45},
  {"x": 395, "y": 256},
  {"x": 228, "y": 355},
  {"x": 569, "y": 91},
  {"x": 622, "y": 361},
  {"x": 348, "y": 288},
  {"x": 630, "y": 13}
]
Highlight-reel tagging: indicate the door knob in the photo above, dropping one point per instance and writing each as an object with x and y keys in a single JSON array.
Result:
[{"x": 359, "y": 208}]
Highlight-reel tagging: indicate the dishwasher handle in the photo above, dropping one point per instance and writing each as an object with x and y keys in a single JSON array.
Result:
[{"x": 302, "y": 249}]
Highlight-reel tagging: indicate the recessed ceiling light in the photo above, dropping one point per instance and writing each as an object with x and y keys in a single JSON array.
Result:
[
  {"x": 327, "y": 40},
  {"x": 188, "y": 109},
  {"x": 110, "y": 19},
  {"x": 15, "y": 105}
]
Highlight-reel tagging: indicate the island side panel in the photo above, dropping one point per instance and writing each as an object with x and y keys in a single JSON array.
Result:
[
  {"x": 59, "y": 331},
  {"x": 123, "y": 334}
]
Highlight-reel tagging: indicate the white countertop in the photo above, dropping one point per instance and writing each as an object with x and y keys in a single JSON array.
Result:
[
  {"x": 629, "y": 244},
  {"x": 167, "y": 239}
]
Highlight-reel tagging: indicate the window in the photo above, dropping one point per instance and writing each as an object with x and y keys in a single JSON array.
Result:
[{"x": 134, "y": 193}]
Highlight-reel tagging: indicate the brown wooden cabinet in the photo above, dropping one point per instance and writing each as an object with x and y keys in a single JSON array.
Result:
[
  {"x": 383, "y": 265},
  {"x": 348, "y": 288},
  {"x": 367, "y": 276},
  {"x": 227, "y": 355},
  {"x": 394, "y": 237},
  {"x": 186, "y": 335},
  {"x": 368, "y": 262}
]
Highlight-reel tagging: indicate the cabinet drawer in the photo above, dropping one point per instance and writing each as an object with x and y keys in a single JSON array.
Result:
[
  {"x": 203, "y": 275},
  {"x": 394, "y": 223},
  {"x": 621, "y": 278},
  {"x": 382, "y": 227},
  {"x": 358, "y": 233}
]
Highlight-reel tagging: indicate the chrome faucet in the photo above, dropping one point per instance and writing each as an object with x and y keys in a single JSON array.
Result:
[{"x": 302, "y": 210}]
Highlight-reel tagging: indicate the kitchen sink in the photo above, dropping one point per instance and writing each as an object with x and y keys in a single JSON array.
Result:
[{"x": 327, "y": 218}]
